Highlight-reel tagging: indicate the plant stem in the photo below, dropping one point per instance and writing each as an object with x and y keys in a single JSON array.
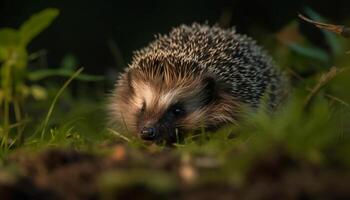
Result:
[
  {"x": 18, "y": 115},
  {"x": 6, "y": 87}
]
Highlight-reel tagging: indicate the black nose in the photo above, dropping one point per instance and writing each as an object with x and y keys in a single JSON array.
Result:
[{"x": 148, "y": 133}]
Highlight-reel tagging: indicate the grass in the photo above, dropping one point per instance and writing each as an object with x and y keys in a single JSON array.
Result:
[
  {"x": 308, "y": 134},
  {"x": 49, "y": 113}
]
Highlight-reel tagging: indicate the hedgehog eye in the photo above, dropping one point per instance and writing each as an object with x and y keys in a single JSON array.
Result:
[{"x": 177, "y": 110}]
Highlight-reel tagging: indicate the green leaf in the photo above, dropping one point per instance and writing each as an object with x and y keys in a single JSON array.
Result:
[
  {"x": 20, "y": 57},
  {"x": 9, "y": 37},
  {"x": 36, "y": 24},
  {"x": 332, "y": 39},
  {"x": 16, "y": 55},
  {"x": 3, "y": 53},
  {"x": 41, "y": 74},
  {"x": 310, "y": 52}
]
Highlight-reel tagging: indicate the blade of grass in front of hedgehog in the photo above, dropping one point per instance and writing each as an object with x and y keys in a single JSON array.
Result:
[
  {"x": 118, "y": 134},
  {"x": 52, "y": 106}
]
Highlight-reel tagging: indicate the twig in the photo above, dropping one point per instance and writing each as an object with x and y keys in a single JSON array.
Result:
[
  {"x": 337, "y": 99},
  {"x": 325, "y": 78},
  {"x": 339, "y": 29},
  {"x": 295, "y": 74}
]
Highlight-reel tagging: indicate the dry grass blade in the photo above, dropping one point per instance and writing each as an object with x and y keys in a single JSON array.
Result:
[
  {"x": 339, "y": 29},
  {"x": 337, "y": 99},
  {"x": 325, "y": 78},
  {"x": 334, "y": 98},
  {"x": 119, "y": 135}
]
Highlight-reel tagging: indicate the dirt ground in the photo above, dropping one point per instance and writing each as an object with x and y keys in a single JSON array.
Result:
[{"x": 128, "y": 174}]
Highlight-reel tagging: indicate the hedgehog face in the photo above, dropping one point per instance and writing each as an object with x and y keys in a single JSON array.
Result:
[
  {"x": 165, "y": 110},
  {"x": 163, "y": 102}
]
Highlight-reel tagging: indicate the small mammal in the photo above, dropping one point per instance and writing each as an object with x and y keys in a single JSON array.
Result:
[{"x": 195, "y": 76}]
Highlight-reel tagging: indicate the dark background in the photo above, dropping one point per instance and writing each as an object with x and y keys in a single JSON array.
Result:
[{"x": 89, "y": 29}]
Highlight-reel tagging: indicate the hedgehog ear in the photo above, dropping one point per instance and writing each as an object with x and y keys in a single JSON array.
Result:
[
  {"x": 213, "y": 87},
  {"x": 210, "y": 88}
]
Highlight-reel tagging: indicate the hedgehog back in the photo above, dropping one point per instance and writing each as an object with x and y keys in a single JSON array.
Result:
[{"x": 233, "y": 58}]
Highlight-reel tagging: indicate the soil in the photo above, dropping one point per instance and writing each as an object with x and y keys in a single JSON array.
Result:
[{"x": 128, "y": 174}]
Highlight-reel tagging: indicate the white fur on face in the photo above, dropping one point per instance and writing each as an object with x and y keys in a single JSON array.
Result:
[
  {"x": 147, "y": 94},
  {"x": 168, "y": 98},
  {"x": 143, "y": 93}
]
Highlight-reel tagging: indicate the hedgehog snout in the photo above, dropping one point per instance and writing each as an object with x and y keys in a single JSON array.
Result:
[
  {"x": 148, "y": 133},
  {"x": 159, "y": 133}
]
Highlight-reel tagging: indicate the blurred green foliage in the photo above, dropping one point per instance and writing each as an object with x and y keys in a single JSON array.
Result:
[
  {"x": 15, "y": 76},
  {"x": 14, "y": 59}
]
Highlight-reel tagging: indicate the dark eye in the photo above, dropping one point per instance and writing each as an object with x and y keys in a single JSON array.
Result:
[{"x": 177, "y": 110}]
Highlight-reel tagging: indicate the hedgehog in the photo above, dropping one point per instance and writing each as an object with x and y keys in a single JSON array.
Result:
[{"x": 197, "y": 76}]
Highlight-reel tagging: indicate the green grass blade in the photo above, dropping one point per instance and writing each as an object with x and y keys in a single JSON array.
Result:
[
  {"x": 41, "y": 74},
  {"x": 52, "y": 106}
]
